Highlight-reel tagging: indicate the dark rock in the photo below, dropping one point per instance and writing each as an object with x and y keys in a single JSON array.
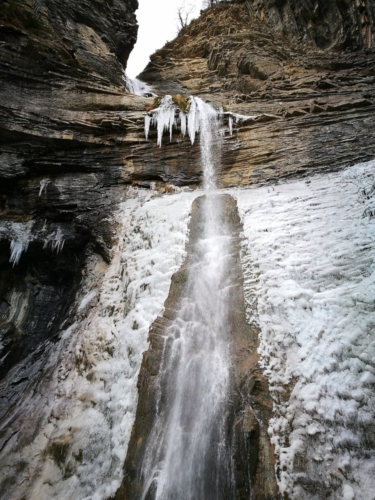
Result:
[{"x": 60, "y": 168}]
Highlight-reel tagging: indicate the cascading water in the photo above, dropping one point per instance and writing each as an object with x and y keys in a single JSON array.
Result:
[
  {"x": 137, "y": 87},
  {"x": 187, "y": 451}
]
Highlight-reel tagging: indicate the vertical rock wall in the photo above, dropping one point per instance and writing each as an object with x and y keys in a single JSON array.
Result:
[{"x": 56, "y": 186}]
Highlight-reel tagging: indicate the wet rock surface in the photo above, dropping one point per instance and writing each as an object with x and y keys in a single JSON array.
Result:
[{"x": 250, "y": 403}]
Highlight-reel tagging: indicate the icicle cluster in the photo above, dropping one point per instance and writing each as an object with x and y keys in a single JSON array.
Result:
[
  {"x": 19, "y": 236},
  {"x": 55, "y": 241},
  {"x": 164, "y": 118},
  {"x": 168, "y": 115}
]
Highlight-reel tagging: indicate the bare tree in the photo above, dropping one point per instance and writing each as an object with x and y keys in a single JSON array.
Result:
[{"x": 184, "y": 15}]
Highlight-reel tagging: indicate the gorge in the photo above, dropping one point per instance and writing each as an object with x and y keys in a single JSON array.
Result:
[{"x": 157, "y": 340}]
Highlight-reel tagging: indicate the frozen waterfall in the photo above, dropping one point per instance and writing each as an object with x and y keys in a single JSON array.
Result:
[{"x": 168, "y": 116}]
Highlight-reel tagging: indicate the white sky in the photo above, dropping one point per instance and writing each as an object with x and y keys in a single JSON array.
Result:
[{"x": 157, "y": 24}]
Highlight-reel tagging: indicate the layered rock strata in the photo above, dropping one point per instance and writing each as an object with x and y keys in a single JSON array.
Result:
[
  {"x": 61, "y": 110},
  {"x": 304, "y": 72}
]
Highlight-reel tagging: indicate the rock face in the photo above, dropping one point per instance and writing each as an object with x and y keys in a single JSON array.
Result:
[
  {"x": 303, "y": 71},
  {"x": 71, "y": 135},
  {"x": 61, "y": 80}
]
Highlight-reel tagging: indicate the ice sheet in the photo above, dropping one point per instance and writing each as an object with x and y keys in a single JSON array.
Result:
[
  {"x": 309, "y": 265},
  {"x": 90, "y": 412}
]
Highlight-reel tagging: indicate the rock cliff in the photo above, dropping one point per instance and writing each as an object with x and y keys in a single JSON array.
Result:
[
  {"x": 63, "y": 106},
  {"x": 71, "y": 135},
  {"x": 303, "y": 71}
]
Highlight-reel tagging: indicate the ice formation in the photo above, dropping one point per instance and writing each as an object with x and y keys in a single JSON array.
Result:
[
  {"x": 168, "y": 116},
  {"x": 19, "y": 236},
  {"x": 55, "y": 241},
  {"x": 43, "y": 185},
  {"x": 164, "y": 118},
  {"x": 309, "y": 267},
  {"x": 230, "y": 121},
  {"x": 90, "y": 404}
]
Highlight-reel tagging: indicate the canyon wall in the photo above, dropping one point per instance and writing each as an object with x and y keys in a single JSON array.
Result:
[
  {"x": 301, "y": 74},
  {"x": 62, "y": 107},
  {"x": 303, "y": 71}
]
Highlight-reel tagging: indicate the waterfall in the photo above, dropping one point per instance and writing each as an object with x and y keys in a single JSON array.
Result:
[
  {"x": 308, "y": 281},
  {"x": 187, "y": 451},
  {"x": 137, "y": 87}
]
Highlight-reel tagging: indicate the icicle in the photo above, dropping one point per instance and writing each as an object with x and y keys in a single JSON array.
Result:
[
  {"x": 230, "y": 121},
  {"x": 19, "y": 236},
  {"x": 58, "y": 243},
  {"x": 147, "y": 125},
  {"x": 172, "y": 121},
  {"x": 55, "y": 241},
  {"x": 193, "y": 123},
  {"x": 16, "y": 249},
  {"x": 182, "y": 118},
  {"x": 43, "y": 184}
]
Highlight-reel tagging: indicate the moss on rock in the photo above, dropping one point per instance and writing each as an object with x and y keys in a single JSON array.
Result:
[
  {"x": 182, "y": 102},
  {"x": 59, "y": 452}
]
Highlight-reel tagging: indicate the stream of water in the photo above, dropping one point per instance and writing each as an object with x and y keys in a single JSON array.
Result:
[{"x": 187, "y": 454}]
